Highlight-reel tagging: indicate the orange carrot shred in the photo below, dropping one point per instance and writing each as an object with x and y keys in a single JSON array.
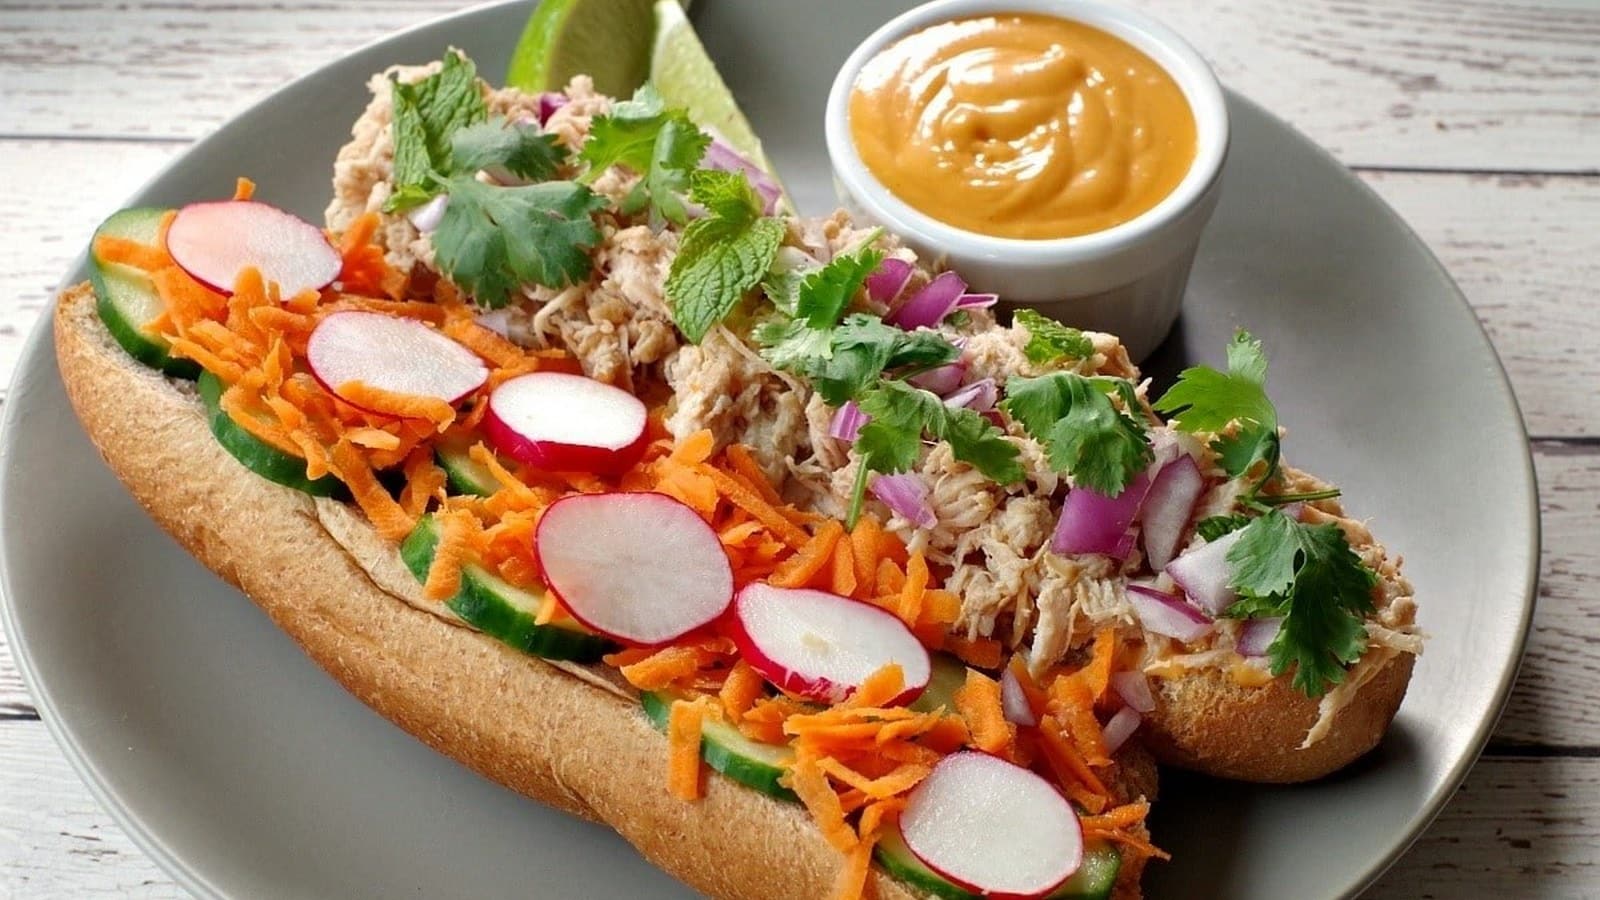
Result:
[
  {"x": 391, "y": 403},
  {"x": 1098, "y": 672},
  {"x": 751, "y": 502},
  {"x": 799, "y": 569},
  {"x": 450, "y": 554},
  {"x": 864, "y": 549},
  {"x": 112, "y": 249},
  {"x": 244, "y": 189},
  {"x": 900, "y": 780},
  {"x": 917, "y": 575},
  {"x": 842, "y": 580},
  {"x": 978, "y": 702},
  {"x": 887, "y": 683},
  {"x": 810, "y": 784},
  {"x": 985, "y": 653},
  {"x": 663, "y": 669},
  {"x": 381, "y": 509},
  {"x": 851, "y": 882},
  {"x": 740, "y": 690},
  {"x": 684, "y": 725},
  {"x": 745, "y": 466}
]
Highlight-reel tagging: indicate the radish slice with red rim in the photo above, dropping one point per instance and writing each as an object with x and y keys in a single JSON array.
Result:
[
  {"x": 641, "y": 568},
  {"x": 214, "y": 242},
  {"x": 566, "y": 423},
  {"x": 993, "y": 827},
  {"x": 402, "y": 356},
  {"x": 821, "y": 645}
]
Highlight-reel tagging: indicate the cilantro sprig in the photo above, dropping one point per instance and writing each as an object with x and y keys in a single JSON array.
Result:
[
  {"x": 662, "y": 145},
  {"x": 1050, "y": 341},
  {"x": 722, "y": 255},
  {"x": 1083, "y": 433},
  {"x": 1308, "y": 575}
]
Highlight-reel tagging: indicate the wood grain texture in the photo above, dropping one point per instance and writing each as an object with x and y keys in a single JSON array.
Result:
[
  {"x": 1418, "y": 83},
  {"x": 55, "y": 840}
]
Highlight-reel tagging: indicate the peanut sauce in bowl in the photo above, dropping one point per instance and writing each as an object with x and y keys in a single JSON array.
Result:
[{"x": 1022, "y": 125}]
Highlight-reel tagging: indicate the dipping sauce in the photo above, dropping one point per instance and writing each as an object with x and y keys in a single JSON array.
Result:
[{"x": 1022, "y": 126}]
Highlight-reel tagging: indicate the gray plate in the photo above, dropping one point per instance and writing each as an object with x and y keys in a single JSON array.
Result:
[{"x": 246, "y": 772}]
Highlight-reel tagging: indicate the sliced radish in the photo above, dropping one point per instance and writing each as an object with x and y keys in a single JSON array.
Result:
[
  {"x": 640, "y": 568},
  {"x": 1168, "y": 506},
  {"x": 1204, "y": 574},
  {"x": 1167, "y": 614},
  {"x": 821, "y": 645},
  {"x": 403, "y": 356},
  {"x": 993, "y": 827},
  {"x": 1014, "y": 702},
  {"x": 566, "y": 423},
  {"x": 214, "y": 242}
]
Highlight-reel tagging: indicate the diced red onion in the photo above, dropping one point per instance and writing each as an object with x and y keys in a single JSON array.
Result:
[
  {"x": 1204, "y": 574},
  {"x": 885, "y": 284},
  {"x": 1121, "y": 727},
  {"x": 928, "y": 307},
  {"x": 906, "y": 495},
  {"x": 979, "y": 396},
  {"x": 1167, "y": 614},
  {"x": 496, "y": 320},
  {"x": 943, "y": 379},
  {"x": 724, "y": 158},
  {"x": 549, "y": 102},
  {"x": 977, "y": 301},
  {"x": 847, "y": 422},
  {"x": 1014, "y": 702},
  {"x": 427, "y": 217},
  {"x": 1292, "y": 511},
  {"x": 1094, "y": 523},
  {"x": 1257, "y": 635},
  {"x": 1134, "y": 689},
  {"x": 1167, "y": 509}
]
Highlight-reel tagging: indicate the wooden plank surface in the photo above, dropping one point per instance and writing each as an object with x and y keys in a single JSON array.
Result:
[{"x": 1430, "y": 84}]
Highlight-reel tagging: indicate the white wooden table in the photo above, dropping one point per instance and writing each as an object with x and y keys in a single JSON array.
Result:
[{"x": 1479, "y": 121}]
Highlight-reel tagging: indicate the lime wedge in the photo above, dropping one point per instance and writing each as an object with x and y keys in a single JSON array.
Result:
[
  {"x": 685, "y": 76},
  {"x": 608, "y": 40}
]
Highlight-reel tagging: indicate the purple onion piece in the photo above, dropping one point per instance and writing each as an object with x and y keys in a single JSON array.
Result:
[
  {"x": 1204, "y": 574},
  {"x": 1014, "y": 702},
  {"x": 1167, "y": 509},
  {"x": 1256, "y": 635},
  {"x": 941, "y": 380},
  {"x": 977, "y": 301},
  {"x": 549, "y": 102},
  {"x": 979, "y": 396},
  {"x": 928, "y": 307},
  {"x": 847, "y": 422},
  {"x": 1094, "y": 523},
  {"x": 1120, "y": 728},
  {"x": 1134, "y": 689},
  {"x": 885, "y": 285},
  {"x": 427, "y": 217},
  {"x": 906, "y": 495},
  {"x": 1167, "y": 614}
]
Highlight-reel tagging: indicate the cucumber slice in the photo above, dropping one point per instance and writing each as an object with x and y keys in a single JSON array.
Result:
[
  {"x": 463, "y": 474},
  {"x": 263, "y": 459},
  {"x": 1093, "y": 880},
  {"x": 949, "y": 674},
  {"x": 126, "y": 300},
  {"x": 500, "y": 609},
  {"x": 728, "y": 751}
]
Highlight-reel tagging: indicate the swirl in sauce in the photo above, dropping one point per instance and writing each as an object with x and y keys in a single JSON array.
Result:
[{"x": 1022, "y": 126}]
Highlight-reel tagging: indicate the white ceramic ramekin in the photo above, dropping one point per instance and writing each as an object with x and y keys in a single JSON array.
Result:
[{"x": 1128, "y": 279}]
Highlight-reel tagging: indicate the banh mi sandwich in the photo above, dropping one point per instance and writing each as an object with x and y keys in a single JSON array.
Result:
[{"x": 751, "y": 536}]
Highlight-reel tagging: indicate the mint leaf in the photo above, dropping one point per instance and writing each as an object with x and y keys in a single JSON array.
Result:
[
  {"x": 492, "y": 240},
  {"x": 722, "y": 255},
  {"x": 1083, "y": 432},
  {"x": 1206, "y": 400},
  {"x": 662, "y": 145},
  {"x": 1050, "y": 341},
  {"x": 1309, "y": 575},
  {"x": 520, "y": 150},
  {"x": 425, "y": 116},
  {"x": 901, "y": 414}
]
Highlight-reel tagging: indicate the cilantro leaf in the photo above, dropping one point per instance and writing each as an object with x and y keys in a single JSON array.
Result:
[
  {"x": 660, "y": 144},
  {"x": 826, "y": 293},
  {"x": 1309, "y": 575},
  {"x": 901, "y": 414},
  {"x": 1050, "y": 341},
  {"x": 493, "y": 239},
  {"x": 844, "y": 361},
  {"x": 1205, "y": 399},
  {"x": 1214, "y": 527},
  {"x": 425, "y": 115},
  {"x": 1083, "y": 432},
  {"x": 521, "y": 150},
  {"x": 722, "y": 255}
]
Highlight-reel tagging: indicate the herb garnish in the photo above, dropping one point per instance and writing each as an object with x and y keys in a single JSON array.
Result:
[
  {"x": 425, "y": 116},
  {"x": 723, "y": 254},
  {"x": 660, "y": 144},
  {"x": 1050, "y": 341},
  {"x": 493, "y": 239},
  {"x": 1083, "y": 432}
]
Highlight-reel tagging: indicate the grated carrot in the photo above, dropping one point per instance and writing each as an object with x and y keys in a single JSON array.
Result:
[
  {"x": 799, "y": 569},
  {"x": 243, "y": 188},
  {"x": 497, "y": 350},
  {"x": 851, "y": 882},
  {"x": 744, "y": 465},
  {"x": 901, "y": 779},
  {"x": 450, "y": 554},
  {"x": 875, "y": 814},
  {"x": 978, "y": 702},
  {"x": 684, "y": 725},
  {"x": 751, "y": 502},
  {"x": 842, "y": 580},
  {"x": 740, "y": 690},
  {"x": 985, "y": 653},
  {"x": 381, "y": 509},
  {"x": 891, "y": 580},
  {"x": 887, "y": 683},
  {"x": 1069, "y": 766},
  {"x": 1073, "y": 705},
  {"x": 1098, "y": 671},
  {"x": 424, "y": 480},
  {"x": 806, "y": 778},
  {"x": 406, "y": 406},
  {"x": 911, "y": 594},
  {"x": 123, "y": 251},
  {"x": 864, "y": 550},
  {"x": 662, "y": 669}
]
